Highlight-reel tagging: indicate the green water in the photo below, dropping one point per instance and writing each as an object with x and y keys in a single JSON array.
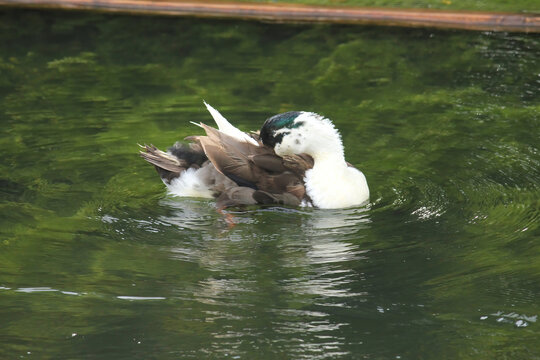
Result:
[{"x": 97, "y": 262}]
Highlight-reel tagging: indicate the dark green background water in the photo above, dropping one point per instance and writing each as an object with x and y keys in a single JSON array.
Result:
[{"x": 97, "y": 262}]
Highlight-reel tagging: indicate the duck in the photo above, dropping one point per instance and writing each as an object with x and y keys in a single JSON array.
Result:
[{"x": 296, "y": 159}]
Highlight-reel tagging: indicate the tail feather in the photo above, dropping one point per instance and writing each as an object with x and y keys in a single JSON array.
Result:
[
  {"x": 161, "y": 159},
  {"x": 227, "y": 128},
  {"x": 170, "y": 165}
]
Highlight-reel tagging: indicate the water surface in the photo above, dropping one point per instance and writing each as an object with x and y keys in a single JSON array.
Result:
[{"x": 98, "y": 262}]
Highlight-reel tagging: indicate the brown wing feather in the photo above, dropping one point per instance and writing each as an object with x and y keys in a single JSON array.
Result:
[
  {"x": 259, "y": 174},
  {"x": 298, "y": 164},
  {"x": 232, "y": 157},
  {"x": 258, "y": 167},
  {"x": 269, "y": 162},
  {"x": 229, "y": 164}
]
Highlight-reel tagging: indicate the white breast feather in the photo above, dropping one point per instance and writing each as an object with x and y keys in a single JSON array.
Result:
[
  {"x": 331, "y": 183},
  {"x": 331, "y": 189}
]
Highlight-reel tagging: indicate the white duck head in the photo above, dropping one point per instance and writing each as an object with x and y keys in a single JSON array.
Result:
[{"x": 297, "y": 132}]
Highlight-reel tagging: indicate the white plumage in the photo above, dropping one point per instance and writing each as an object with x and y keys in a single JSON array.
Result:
[{"x": 331, "y": 183}]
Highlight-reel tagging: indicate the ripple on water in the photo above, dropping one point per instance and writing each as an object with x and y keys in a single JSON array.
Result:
[
  {"x": 141, "y": 298},
  {"x": 191, "y": 214},
  {"x": 518, "y": 320}
]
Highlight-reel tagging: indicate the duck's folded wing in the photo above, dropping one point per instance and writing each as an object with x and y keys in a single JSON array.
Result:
[
  {"x": 268, "y": 161},
  {"x": 298, "y": 164},
  {"x": 271, "y": 179},
  {"x": 255, "y": 167},
  {"x": 238, "y": 172},
  {"x": 231, "y": 157}
]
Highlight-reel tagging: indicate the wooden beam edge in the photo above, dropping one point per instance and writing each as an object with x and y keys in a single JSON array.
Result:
[{"x": 486, "y": 21}]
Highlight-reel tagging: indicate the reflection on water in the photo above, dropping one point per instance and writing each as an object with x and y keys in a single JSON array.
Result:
[
  {"x": 190, "y": 214},
  {"x": 307, "y": 265},
  {"x": 323, "y": 238}
]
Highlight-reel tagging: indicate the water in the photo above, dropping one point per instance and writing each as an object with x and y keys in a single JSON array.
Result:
[{"x": 97, "y": 262}]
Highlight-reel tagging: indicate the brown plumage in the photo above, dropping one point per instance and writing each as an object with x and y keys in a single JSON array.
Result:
[{"x": 236, "y": 172}]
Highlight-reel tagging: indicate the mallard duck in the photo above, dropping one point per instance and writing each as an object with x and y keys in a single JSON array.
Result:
[{"x": 297, "y": 159}]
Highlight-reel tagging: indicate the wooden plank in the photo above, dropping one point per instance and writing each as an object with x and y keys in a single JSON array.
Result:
[{"x": 303, "y": 13}]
